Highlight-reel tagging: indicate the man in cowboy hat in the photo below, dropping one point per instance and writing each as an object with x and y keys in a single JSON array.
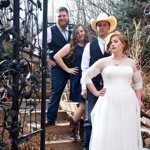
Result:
[{"x": 93, "y": 51}]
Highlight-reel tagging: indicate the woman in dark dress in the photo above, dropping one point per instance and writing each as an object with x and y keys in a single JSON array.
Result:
[
  {"x": 69, "y": 59},
  {"x": 75, "y": 87}
]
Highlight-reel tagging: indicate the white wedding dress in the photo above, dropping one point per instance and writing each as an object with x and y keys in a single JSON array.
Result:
[{"x": 116, "y": 115}]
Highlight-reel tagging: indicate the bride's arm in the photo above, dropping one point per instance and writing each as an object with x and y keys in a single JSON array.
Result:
[
  {"x": 138, "y": 93},
  {"x": 93, "y": 71},
  {"x": 137, "y": 85},
  {"x": 95, "y": 92}
]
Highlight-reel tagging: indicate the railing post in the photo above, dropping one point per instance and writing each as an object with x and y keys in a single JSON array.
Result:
[
  {"x": 14, "y": 131},
  {"x": 44, "y": 49}
]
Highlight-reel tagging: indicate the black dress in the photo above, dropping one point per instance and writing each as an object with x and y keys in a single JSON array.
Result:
[{"x": 75, "y": 86}]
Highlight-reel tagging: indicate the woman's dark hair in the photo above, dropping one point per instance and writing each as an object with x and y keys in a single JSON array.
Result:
[{"x": 74, "y": 41}]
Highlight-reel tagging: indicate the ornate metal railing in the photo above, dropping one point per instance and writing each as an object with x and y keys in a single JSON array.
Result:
[{"x": 19, "y": 84}]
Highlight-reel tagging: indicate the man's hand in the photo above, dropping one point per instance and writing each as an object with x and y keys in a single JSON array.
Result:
[
  {"x": 101, "y": 92},
  {"x": 138, "y": 66},
  {"x": 51, "y": 62},
  {"x": 84, "y": 94}
]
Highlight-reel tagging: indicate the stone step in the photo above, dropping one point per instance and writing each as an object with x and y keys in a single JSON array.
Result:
[
  {"x": 146, "y": 130},
  {"x": 61, "y": 128},
  {"x": 28, "y": 103},
  {"x": 36, "y": 115},
  {"x": 40, "y": 95},
  {"x": 34, "y": 96},
  {"x": 145, "y": 121},
  {"x": 63, "y": 145},
  {"x": 68, "y": 106},
  {"x": 37, "y": 101}
]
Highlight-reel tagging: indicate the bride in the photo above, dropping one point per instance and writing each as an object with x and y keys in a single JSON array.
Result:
[{"x": 116, "y": 115}]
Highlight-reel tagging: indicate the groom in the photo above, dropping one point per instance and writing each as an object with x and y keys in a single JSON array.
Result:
[{"x": 93, "y": 51}]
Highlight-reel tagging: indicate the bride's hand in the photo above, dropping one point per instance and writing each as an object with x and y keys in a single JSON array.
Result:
[
  {"x": 142, "y": 106},
  {"x": 101, "y": 92}
]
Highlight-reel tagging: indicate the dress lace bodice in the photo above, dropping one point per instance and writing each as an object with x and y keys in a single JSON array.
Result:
[{"x": 116, "y": 74}]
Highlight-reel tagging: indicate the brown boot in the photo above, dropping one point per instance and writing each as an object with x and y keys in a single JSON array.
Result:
[
  {"x": 81, "y": 130},
  {"x": 73, "y": 130}
]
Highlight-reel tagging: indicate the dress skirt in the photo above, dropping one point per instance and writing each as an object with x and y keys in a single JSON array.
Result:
[{"x": 116, "y": 121}]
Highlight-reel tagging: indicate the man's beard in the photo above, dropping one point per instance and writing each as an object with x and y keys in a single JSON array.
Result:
[{"x": 63, "y": 26}]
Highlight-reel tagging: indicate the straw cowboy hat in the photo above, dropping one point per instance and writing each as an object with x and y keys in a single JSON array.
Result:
[{"x": 104, "y": 17}]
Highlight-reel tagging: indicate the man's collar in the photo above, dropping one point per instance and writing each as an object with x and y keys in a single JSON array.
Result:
[
  {"x": 101, "y": 40},
  {"x": 66, "y": 29}
]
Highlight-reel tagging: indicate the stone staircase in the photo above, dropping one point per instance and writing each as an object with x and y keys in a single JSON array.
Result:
[{"x": 58, "y": 136}]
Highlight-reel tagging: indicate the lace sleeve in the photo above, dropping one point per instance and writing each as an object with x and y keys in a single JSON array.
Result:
[
  {"x": 93, "y": 71},
  {"x": 137, "y": 79}
]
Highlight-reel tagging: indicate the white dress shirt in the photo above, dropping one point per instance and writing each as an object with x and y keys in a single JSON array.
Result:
[
  {"x": 39, "y": 37},
  {"x": 86, "y": 58},
  {"x": 65, "y": 33}
]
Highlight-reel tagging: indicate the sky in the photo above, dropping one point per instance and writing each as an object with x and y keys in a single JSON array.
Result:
[{"x": 52, "y": 7}]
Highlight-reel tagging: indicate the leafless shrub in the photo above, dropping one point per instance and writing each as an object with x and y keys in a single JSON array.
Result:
[{"x": 140, "y": 51}]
